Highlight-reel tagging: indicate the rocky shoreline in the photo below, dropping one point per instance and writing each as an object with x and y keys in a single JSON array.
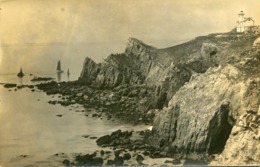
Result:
[
  {"x": 123, "y": 103},
  {"x": 128, "y": 148},
  {"x": 129, "y": 103},
  {"x": 202, "y": 98}
]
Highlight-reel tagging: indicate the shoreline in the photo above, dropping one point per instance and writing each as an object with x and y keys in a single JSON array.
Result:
[
  {"x": 92, "y": 110},
  {"x": 105, "y": 104},
  {"x": 70, "y": 93}
]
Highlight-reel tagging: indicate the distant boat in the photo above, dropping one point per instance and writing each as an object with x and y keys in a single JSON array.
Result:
[
  {"x": 20, "y": 74},
  {"x": 59, "y": 68},
  {"x": 68, "y": 72}
]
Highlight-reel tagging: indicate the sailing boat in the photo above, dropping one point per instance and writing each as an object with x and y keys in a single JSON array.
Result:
[
  {"x": 20, "y": 74},
  {"x": 59, "y": 68},
  {"x": 68, "y": 72}
]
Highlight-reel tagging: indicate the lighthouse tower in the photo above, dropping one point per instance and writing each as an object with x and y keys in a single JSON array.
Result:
[{"x": 240, "y": 22}]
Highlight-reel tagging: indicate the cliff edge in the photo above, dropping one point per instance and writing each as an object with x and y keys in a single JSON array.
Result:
[{"x": 207, "y": 91}]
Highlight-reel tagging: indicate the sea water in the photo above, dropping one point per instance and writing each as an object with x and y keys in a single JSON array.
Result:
[
  {"x": 31, "y": 133},
  {"x": 58, "y": 77}
]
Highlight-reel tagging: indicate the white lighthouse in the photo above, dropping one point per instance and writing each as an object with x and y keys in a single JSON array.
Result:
[{"x": 240, "y": 22}]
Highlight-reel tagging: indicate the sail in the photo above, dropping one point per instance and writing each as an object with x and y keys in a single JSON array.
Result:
[
  {"x": 20, "y": 74},
  {"x": 58, "y": 66}
]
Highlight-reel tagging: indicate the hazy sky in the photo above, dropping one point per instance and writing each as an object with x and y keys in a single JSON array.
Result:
[{"x": 35, "y": 34}]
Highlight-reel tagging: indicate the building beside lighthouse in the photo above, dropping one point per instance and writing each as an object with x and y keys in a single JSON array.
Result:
[{"x": 246, "y": 24}]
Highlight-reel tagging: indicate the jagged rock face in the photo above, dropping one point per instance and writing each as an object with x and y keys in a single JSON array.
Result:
[
  {"x": 144, "y": 64},
  {"x": 141, "y": 63},
  {"x": 216, "y": 112},
  {"x": 243, "y": 145},
  {"x": 168, "y": 82},
  {"x": 89, "y": 72},
  {"x": 130, "y": 67},
  {"x": 200, "y": 115},
  {"x": 211, "y": 88}
]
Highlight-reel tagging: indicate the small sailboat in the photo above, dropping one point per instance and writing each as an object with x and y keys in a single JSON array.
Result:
[
  {"x": 20, "y": 74},
  {"x": 59, "y": 68},
  {"x": 68, "y": 72}
]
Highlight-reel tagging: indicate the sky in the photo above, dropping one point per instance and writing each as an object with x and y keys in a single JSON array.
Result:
[{"x": 35, "y": 34}]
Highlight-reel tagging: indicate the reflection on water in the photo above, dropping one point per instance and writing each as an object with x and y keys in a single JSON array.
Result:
[
  {"x": 29, "y": 126},
  {"x": 68, "y": 75},
  {"x": 20, "y": 81},
  {"x": 12, "y": 78},
  {"x": 58, "y": 76}
]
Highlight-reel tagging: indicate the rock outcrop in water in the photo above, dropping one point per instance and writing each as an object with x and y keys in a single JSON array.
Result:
[{"x": 209, "y": 88}]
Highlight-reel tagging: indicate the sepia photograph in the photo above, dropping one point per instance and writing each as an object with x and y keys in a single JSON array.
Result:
[{"x": 129, "y": 83}]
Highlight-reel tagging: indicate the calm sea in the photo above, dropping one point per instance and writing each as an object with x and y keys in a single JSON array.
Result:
[
  {"x": 31, "y": 133},
  {"x": 12, "y": 78}
]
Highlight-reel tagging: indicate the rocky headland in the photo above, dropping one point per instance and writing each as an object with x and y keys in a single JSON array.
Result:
[
  {"x": 204, "y": 93},
  {"x": 202, "y": 98}
]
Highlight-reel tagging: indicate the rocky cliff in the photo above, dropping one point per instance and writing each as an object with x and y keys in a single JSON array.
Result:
[
  {"x": 216, "y": 112},
  {"x": 130, "y": 67},
  {"x": 165, "y": 69},
  {"x": 209, "y": 88}
]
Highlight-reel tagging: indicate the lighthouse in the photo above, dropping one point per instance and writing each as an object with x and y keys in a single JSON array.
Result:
[{"x": 240, "y": 22}]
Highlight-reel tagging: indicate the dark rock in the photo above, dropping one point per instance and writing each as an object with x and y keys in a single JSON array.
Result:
[
  {"x": 146, "y": 153},
  {"x": 116, "y": 138},
  {"x": 20, "y": 86},
  {"x": 104, "y": 140},
  {"x": 110, "y": 162},
  {"x": 119, "y": 161},
  {"x": 85, "y": 159},
  {"x": 93, "y": 137},
  {"x": 97, "y": 161},
  {"x": 89, "y": 72},
  {"x": 66, "y": 162},
  {"x": 126, "y": 156},
  {"x": 117, "y": 153},
  {"x": 41, "y": 79},
  {"x": 139, "y": 158},
  {"x": 108, "y": 152},
  {"x": 85, "y": 136},
  {"x": 30, "y": 86},
  {"x": 59, "y": 115},
  {"x": 9, "y": 85}
]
